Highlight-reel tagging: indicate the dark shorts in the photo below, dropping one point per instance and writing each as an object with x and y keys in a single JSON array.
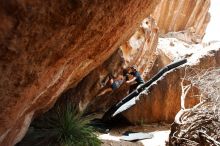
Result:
[{"x": 114, "y": 86}]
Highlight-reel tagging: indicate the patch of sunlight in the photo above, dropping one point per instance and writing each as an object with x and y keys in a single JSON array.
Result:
[
  {"x": 158, "y": 140},
  {"x": 213, "y": 31}
]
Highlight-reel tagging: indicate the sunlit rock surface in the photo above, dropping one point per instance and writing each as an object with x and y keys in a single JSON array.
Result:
[
  {"x": 162, "y": 101},
  {"x": 95, "y": 88},
  {"x": 140, "y": 49},
  {"x": 48, "y": 46},
  {"x": 190, "y": 15}
]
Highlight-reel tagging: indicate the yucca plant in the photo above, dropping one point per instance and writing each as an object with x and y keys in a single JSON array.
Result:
[{"x": 61, "y": 127}]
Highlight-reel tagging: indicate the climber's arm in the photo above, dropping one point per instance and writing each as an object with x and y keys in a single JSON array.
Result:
[{"x": 131, "y": 80}]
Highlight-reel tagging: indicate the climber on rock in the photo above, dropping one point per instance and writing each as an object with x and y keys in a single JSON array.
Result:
[
  {"x": 136, "y": 79},
  {"x": 116, "y": 82}
]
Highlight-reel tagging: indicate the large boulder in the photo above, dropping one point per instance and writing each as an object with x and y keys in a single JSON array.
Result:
[
  {"x": 139, "y": 50},
  {"x": 163, "y": 100},
  {"x": 48, "y": 46}
]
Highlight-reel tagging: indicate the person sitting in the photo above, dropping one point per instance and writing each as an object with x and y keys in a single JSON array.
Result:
[{"x": 136, "y": 79}]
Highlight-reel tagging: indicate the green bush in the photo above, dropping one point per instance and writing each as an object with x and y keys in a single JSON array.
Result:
[{"x": 61, "y": 127}]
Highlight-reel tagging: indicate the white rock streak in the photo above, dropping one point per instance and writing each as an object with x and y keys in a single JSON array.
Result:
[
  {"x": 176, "y": 50},
  {"x": 127, "y": 105}
]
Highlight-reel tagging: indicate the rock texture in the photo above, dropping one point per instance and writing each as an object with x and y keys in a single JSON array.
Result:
[
  {"x": 95, "y": 84},
  {"x": 190, "y": 15},
  {"x": 95, "y": 88},
  {"x": 162, "y": 101},
  {"x": 140, "y": 50},
  {"x": 48, "y": 46}
]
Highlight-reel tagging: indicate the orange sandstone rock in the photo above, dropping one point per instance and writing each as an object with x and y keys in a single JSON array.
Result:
[
  {"x": 192, "y": 15},
  {"x": 48, "y": 46},
  {"x": 162, "y": 101}
]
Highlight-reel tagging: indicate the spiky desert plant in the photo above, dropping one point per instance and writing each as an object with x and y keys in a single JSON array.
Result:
[{"x": 62, "y": 126}]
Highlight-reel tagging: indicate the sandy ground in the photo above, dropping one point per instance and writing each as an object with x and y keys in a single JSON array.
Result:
[
  {"x": 121, "y": 143},
  {"x": 160, "y": 132}
]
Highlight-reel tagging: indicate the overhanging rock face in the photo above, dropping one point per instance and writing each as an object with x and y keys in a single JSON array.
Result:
[
  {"x": 48, "y": 46},
  {"x": 140, "y": 49},
  {"x": 95, "y": 88}
]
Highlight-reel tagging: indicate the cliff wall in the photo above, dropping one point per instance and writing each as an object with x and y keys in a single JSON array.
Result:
[{"x": 47, "y": 47}]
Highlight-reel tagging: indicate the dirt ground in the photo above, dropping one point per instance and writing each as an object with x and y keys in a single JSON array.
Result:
[
  {"x": 120, "y": 143},
  {"x": 139, "y": 128}
]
